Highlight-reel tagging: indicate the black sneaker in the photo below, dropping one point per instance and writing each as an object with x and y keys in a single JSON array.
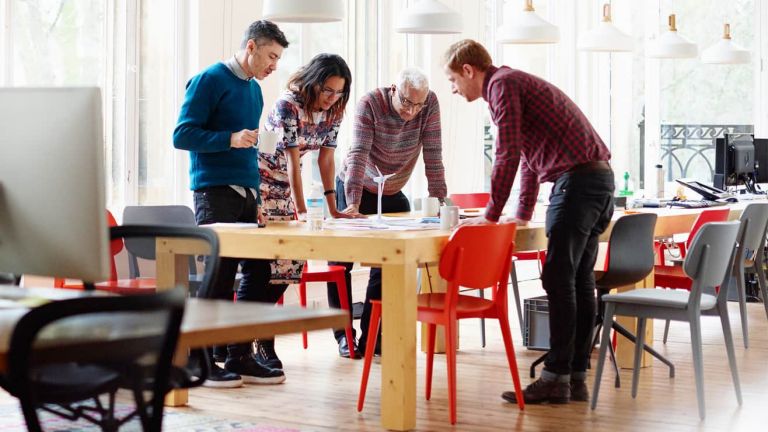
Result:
[
  {"x": 265, "y": 354},
  {"x": 252, "y": 371},
  {"x": 541, "y": 391},
  {"x": 579, "y": 391},
  {"x": 221, "y": 378}
]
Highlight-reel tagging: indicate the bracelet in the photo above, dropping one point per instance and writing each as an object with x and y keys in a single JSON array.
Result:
[{"x": 328, "y": 192}]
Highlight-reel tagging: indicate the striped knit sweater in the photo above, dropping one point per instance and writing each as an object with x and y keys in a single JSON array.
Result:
[{"x": 382, "y": 139}]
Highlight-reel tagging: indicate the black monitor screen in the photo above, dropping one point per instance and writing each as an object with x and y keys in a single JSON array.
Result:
[
  {"x": 761, "y": 158},
  {"x": 743, "y": 157}
]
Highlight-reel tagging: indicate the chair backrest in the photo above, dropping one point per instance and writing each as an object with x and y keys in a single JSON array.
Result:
[
  {"x": 479, "y": 256},
  {"x": 754, "y": 221},
  {"x": 470, "y": 200},
  {"x": 124, "y": 334},
  {"x": 630, "y": 251},
  {"x": 710, "y": 258},
  {"x": 163, "y": 215},
  {"x": 706, "y": 216}
]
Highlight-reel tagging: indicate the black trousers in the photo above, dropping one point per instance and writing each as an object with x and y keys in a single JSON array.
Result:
[
  {"x": 580, "y": 209},
  {"x": 368, "y": 205},
  {"x": 224, "y": 204}
]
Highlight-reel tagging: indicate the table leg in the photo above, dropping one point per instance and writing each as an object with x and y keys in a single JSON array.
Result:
[
  {"x": 172, "y": 270},
  {"x": 398, "y": 376}
]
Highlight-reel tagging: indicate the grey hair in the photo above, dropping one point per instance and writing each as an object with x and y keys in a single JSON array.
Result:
[{"x": 413, "y": 78}]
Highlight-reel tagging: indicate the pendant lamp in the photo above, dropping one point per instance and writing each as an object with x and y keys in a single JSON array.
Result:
[
  {"x": 429, "y": 17},
  {"x": 606, "y": 36},
  {"x": 671, "y": 45},
  {"x": 725, "y": 51},
  {"x": 303, "y": 11},
  {"x": 526, "y": 27}
]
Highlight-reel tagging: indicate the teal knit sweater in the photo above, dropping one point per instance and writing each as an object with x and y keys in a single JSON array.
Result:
[{"x": 218, "y": 103}]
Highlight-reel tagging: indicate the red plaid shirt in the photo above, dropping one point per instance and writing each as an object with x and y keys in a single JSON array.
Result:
[{"x": 541, "y": 130}]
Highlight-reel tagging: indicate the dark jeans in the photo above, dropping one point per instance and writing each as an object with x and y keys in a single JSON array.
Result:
[
  {"x": 224, "y": 204},
  {"x": 389, "y": 204},
  {"x": 580, "y": 209}
]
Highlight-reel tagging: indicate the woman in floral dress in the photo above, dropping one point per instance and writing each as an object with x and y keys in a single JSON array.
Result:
[{"x": 308, "y": 116}]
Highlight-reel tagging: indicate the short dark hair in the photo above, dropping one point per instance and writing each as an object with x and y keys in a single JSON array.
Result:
[
  {"x": 263, "y": 32},
  {"x": 307, "y": 82}
]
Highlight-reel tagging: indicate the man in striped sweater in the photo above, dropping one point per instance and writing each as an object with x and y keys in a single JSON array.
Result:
[{"x": 393, "y": 125}]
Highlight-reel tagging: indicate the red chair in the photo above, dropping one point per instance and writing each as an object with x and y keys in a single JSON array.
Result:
[
  {"x": 480, "y": 200},
  {"x": 327, "y": 273},
  {"x": 464, "y": 263},
  {"x": 114, "y": 285},
  {"x": 666, "y": 276}
]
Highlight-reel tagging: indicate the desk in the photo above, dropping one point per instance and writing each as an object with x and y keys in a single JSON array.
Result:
[
  {"x": 205, "y": 323},
  {"x": 398, "y": 253}
]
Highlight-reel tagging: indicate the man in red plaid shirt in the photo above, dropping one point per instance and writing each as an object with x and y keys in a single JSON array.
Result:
[{"x": 543, "y": 132}]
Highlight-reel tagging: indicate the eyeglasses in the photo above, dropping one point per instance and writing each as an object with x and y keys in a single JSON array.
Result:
[
  {"x": 407, "y": 104},
  {"x": 326, "y": 91}
]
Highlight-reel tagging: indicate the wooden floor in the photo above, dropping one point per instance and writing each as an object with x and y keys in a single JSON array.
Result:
[{"x": 320, "y": 392}]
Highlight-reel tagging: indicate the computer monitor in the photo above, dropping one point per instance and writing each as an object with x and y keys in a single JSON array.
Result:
[
  {"x": 52, "y": 199},
  {"x": 761, "y": 160},
  {"x": 734, "y": 160}
]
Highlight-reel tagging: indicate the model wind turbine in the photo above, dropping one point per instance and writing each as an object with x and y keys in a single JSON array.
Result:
[{"x": 380, "y": 179}]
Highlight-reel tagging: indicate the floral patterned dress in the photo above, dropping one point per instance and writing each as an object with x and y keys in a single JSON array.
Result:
[{"x": 289, "y": 118}]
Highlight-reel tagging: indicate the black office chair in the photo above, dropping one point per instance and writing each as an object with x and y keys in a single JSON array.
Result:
[
  {"x": 67, "y": 353},
  {"x": 630, "y": 260}
]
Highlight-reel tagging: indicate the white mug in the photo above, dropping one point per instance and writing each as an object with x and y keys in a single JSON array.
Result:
[
  {"x": 430, "y": 206},
  {"x": 449, "y": 217},
  {"x": 268, "y": 141}
]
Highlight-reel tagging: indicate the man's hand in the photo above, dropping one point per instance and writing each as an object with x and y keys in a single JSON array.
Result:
[
  {"x": 244, "y": 139},
  {"x": 521, "y": 223},
  {"x": 352, "y": 211},
  {"x": 480, "y": 220}
]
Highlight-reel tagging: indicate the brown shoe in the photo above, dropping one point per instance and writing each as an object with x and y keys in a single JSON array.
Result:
[
  {"x": 579, "y": 391},
  {"x": 541, "y": 391}
]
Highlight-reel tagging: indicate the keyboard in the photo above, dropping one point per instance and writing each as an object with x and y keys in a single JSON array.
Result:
[{"x": 695, "y": 203}]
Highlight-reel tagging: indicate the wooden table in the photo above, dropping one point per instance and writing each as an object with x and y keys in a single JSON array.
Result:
[
  {"x": 205, "y": 323},
  {"x": 398, "y": 253}
]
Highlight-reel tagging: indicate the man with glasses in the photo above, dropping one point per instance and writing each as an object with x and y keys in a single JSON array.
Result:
[{"x": 393, "y": 125}]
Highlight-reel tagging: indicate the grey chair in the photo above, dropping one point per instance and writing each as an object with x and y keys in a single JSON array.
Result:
[
  {"x": 710, "y": 257},
  {"x": 749, "y": 258}
]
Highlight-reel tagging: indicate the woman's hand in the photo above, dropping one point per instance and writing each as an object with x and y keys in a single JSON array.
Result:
[{"x": 346, "y": 214}]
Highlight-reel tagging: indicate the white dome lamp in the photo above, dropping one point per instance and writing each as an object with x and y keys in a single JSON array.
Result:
[
  {"x": 429, "y": 17},
  {"x": 725, "y": 51},
  {"x": 606, "y": 36},
  {"x": 671, "y": 45},
  {"x": 526, "y": 27},
  {"x": 303, "y": 11}
]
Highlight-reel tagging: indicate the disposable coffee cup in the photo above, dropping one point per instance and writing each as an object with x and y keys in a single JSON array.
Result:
[
  {"x": 268, "y": 141},
  {"x": 449, "y": 217}
]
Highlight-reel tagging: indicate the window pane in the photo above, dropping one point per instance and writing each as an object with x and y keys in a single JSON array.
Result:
[
  {"x": 58, "y": 42},
  {"x": 157, "y": 115},
  {"x": 701, "y": 101}
]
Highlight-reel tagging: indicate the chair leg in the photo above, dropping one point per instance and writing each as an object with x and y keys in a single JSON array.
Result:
[
  {"x": 537, "y": 362},
  {"x": 516, "y": 293},
  {"x": 509, "y": 347},
  {"x": 666, "y": 331},
  {"x": 723, "y": 312},
  {"x": 624, "y": 332},
  {"x": 431, "y": 332},
  {"x": 604, "y": 342},
  {"x": 698, "y": 366},
  {"x": 341, "y": 287},
  {"x": 303, "y": 303},
  {"x": 450, "y": 356},
  {"x": 742, "y": 292},
  {"x": 761, "y": 282},
  {"x": 369, "y": 347},
  {"x": 612, "y": 352},
  {"x": 481, "y": 294},
  {"x": 638, "y": 355}
]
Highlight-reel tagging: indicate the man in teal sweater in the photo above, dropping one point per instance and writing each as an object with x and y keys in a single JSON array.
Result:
[{"x": 219, "y": 126}]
